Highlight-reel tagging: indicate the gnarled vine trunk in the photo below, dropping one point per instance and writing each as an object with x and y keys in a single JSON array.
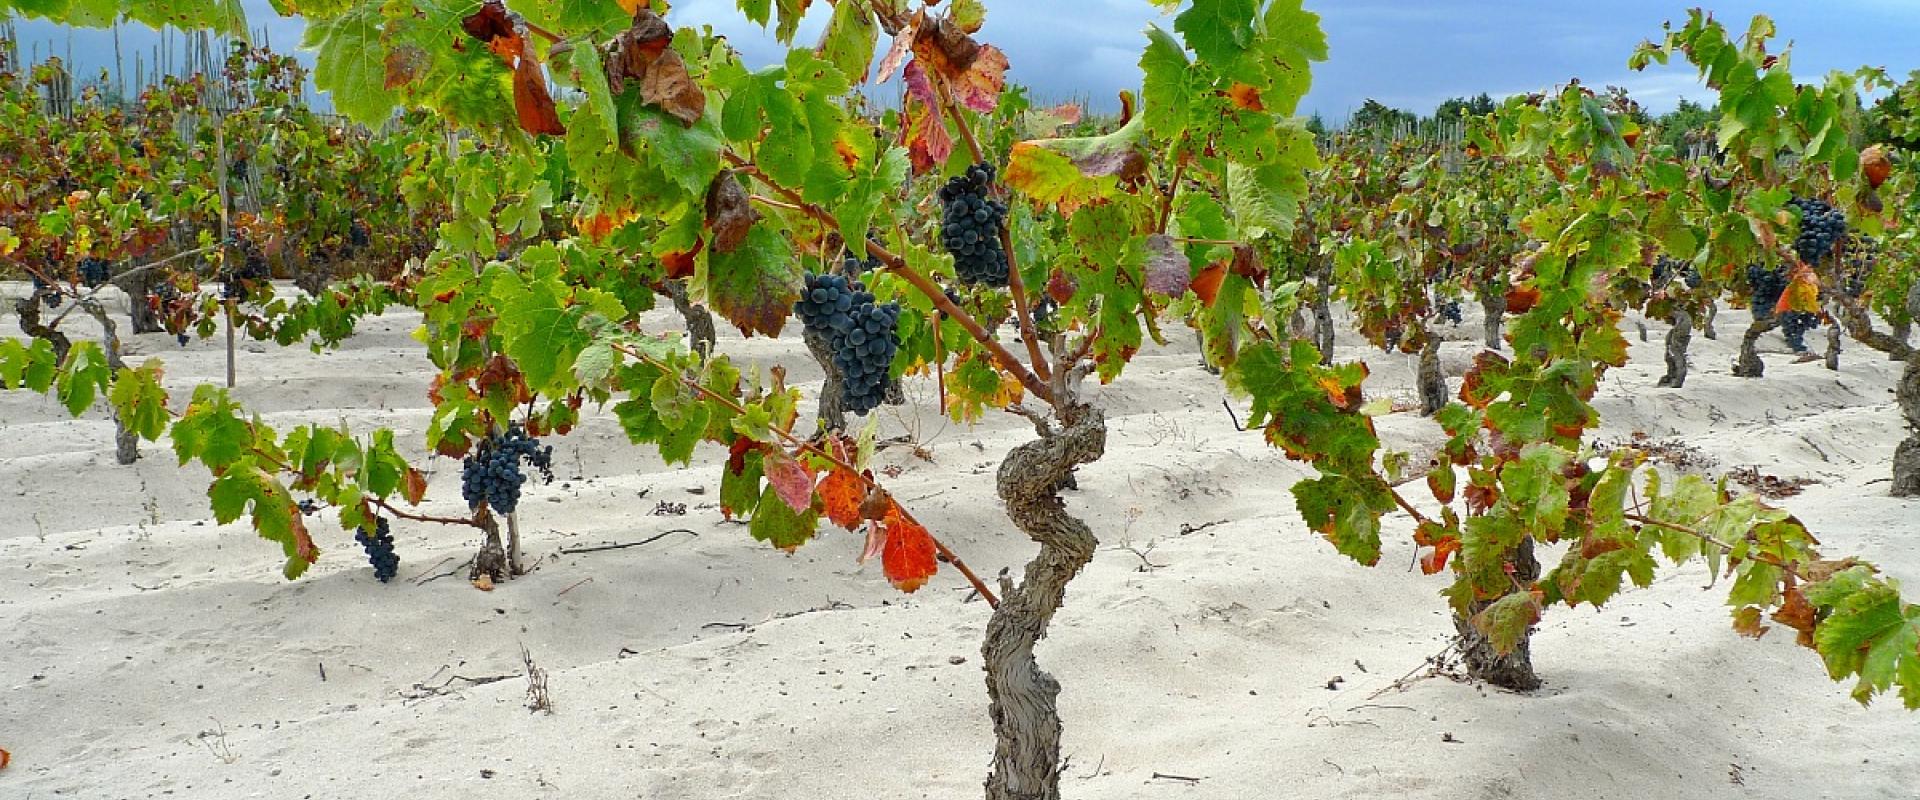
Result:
[
  {"x": 1833, "y": 348},
  {"x": 1513, "y": 670},
  {"x": 31, "y": 325},
  {"x": 1706, "y": 326},
  {"x": 138, "y": 285},
  {"x": 1749, "y": 364},
  {"x": 699, "y": 321},
  {"x": 1433, "y": 385},
  {"x": 1906, "y": 458},
  {"x": 126, "y": 443},
  {"x": 1022, "y": 697},
  {"x": 1323, "y": 315},
  {"x": 1494, "y": 305},
  {"x": 833, "y": 408},
  {"x": 1677, "y": 341}
]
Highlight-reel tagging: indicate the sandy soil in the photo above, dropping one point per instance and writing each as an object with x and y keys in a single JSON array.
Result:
[{"x": 152, "y": 653}]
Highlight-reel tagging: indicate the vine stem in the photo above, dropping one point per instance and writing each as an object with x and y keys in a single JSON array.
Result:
[
  {"x": 872, "y": 485},
  {"x": 391, "y": 509},
  {"x": 921, "y": 282},
  {"x": 1407, "y": 507},
  {"x": 1016, "y": 283},
  {"x": 1709, "y": 539}
]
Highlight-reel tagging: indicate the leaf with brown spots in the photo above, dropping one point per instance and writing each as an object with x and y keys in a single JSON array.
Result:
[
  {"x": 730, "y": 212},
  {"x": 404, "y": 64},
  {"x": 1245, "y": 96},
  {"x": 668, "y": 86},
  {"x": 531, "y": 102},
  {"x": 489, "y": 23}
]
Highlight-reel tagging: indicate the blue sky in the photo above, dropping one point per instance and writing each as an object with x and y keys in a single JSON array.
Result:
[{"x": 1406, "y": 54}]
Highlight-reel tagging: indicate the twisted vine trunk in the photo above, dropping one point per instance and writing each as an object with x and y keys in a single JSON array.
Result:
[
  {"x": 832, "y": 412},
  {"x": 1749, "y": 365},
  {"x": 1906, "y": 458},
  {"x": 1494, "y": 305},
  {"x": 1677, "y": 341},
  {"x": 1833, "y": 348},
  {"x": 1484, "y": 662},
  {"x": 126, "y": 443},
  {"x": 1433, "y": 385},
  {"x": 139, "y": 286},
  {"x": 1323, "y": 316},
  {"x": 1713, "y": 313},
  {"x": 30, "y": 324},
  {"x": 1026, "y": 720},
  {"x": 699, "y": 321}
]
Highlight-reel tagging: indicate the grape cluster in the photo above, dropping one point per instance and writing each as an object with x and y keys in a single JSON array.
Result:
[
  {"x": 854, "y": 266},
  {"x": 970, "y": 227},
  {"x": 253, "y": 267},
  {"x": 1862, "y": 256},
  {"x": 861, "y": 335},
  {"x": 1821, "y": 226},
  {"x": 1766, "y": 285},
  {"x": 1795, "y": 324},
  {"x": 492, "y": 474},
  {"x": 94, "y": 271},
  {"x": 357, "y": 235},
  {"x": 379, "y": 547},
  {"x": 45, "y": 292},
  {"x": 1666, "y": 270},
  {"x": 1450, "y": 312}
]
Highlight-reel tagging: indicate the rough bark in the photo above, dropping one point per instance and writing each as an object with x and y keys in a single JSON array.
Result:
[
  {"x": 1906, "y": 459},
  {"x": 491, "y": 561},
  {"x": 1713, "y": 312},
  {"x": 1323, "y": 318},
  {"x": 1494, "y": 305},
  {"x": 1749, "y": 364},
  {"x": 126, "y": 443},
  {"x": 138, "y": 286},
  {"x": 1645, "y": 335},
  {"x": 1833, "y": 347},
  {"x": 700, "y": 330},
  {"x": 1433, "y": 385},
  {"x": 1677, "y": 341},
  {"x": 31, "y": 325},
  {"x": 1513, "y": 670},
  {"x": 1022, "y": 697},
  {"x": 833, "y": 411}
]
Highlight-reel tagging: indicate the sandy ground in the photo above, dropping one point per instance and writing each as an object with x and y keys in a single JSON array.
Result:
[{"x": 152, "y": 653}]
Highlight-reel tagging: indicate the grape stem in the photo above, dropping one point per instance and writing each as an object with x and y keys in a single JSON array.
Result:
[
  {"x": 926, "y": 286},
  {"x": 1016, "y": 285},
  {"x": 839, "y": 463},
  {"x": 1709, "y": 539}
]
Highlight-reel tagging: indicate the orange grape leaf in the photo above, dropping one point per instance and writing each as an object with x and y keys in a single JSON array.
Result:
[
  {"x": 1798, "y": 614},
  {"x": 908, "y": 557},
  {"x": 1444, "y": 544},
  {"x": 842, "y": 491},
  {"x": 681, "y": 264},
  {"x": 413, "y": 486},
  {"x": 790, "y": 480},
  {"x": 1802, "y": 293},
  {"x": 633, "y": 6},
  {"x": 1207, "y": 284},
  {"x": 1746, "y": 622}
]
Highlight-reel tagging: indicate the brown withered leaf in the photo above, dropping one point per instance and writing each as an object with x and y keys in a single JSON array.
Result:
[
  {"x": 1798, "y": 614},
  {"x": 531, "y": 102},
  {"x": 636, "y": 48},
  {"x": 1166, "y": 267},
  {"x": 1246, "y": 264},
  {"x": 489, "y": 23},
  {"x": 730, "y": 213},
  {"x": 1206, "y": 285},
  {"x": 668, "y": 86}
]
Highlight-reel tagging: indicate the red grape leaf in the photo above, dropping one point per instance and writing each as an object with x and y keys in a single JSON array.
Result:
[
  {"x": 489, "y": 23},
  {"x": 1443, "y": 541},
  {"x": 790, "y": 479},
  {"x": 924, "y": 133},
  {"x": 975, "y": 73},
  {"x": 902, "y": 42},
  {"x": 413, "y": 486},
  {"x": 1207, "y": 284},
  {"x": 531, "y": 102},
  {"x": 909, "y": 557},
  {"x": 841, "y": 491},
  {"x": 729, "y": 212},
  {"x": 1167, "y": 269}
]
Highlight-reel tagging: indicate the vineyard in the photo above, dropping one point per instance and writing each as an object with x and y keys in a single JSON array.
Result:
[{"x": 577, "y": 409}]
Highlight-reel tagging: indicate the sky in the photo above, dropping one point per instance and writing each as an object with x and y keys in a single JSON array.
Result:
[{"x": 1408, "y": 55}]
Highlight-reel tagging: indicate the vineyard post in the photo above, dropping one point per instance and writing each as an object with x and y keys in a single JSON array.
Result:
[{"x": 220, "y": 166}]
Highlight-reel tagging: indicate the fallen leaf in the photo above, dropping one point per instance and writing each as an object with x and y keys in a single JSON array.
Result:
[{"x": 483, "y": 583}]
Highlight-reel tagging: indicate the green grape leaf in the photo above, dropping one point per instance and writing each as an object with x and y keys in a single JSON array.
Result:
[
  {"x": 139, "y": 401},
  {"x": 1505, "y": 621},
  {"x": 756, "y": 285}
]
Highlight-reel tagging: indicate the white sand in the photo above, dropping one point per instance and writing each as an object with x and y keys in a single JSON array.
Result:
[{"x": 137, "y": 627}]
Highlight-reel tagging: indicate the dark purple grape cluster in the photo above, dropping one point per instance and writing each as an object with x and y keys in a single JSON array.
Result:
[
  {"x": 970, "y": 226},
  {"x": 1450, "y": 312},
  {"x": 45, "y": 292},
  {"x": 379, "y": 547},
  {"x": 1765, "y": 286},
  {"x": 253, "y": 267},
  {"x": 1667, "y": 270},
  {"x": 1821, "y": 227},
  {"x": 94, "y": 271},
  {"x": 1794, "y": 325},
  {"x": 491, "y": 474},
  {"x": 861, "y": 335}
]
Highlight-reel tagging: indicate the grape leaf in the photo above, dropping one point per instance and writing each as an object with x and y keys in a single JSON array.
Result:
[
  {"x": 1506, "y": 620},
  {"x": 790, "y": 480},
  {"x": 909, "y": 556},
  {"x": 755, "y": 286},
  {"x": 781, "y": 525},
  {"x": 841, "y": 492}
]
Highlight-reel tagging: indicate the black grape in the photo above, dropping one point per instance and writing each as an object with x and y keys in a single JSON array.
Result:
[
  {"x": 861, "y": 335},
  {"x": 1666, "y": 270},
  {"x": 1766, "y": 286},
  {"x": 94, "y": 271},
  {"x": 1450, "y": 312},
  {"x": 970, "y": 227},
  {"x": 379, "y": 547},
  {"x": 1821, "y": 227},
  {"x": 491, "y": 474},
  {"x": 1795, "y": 324}
]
